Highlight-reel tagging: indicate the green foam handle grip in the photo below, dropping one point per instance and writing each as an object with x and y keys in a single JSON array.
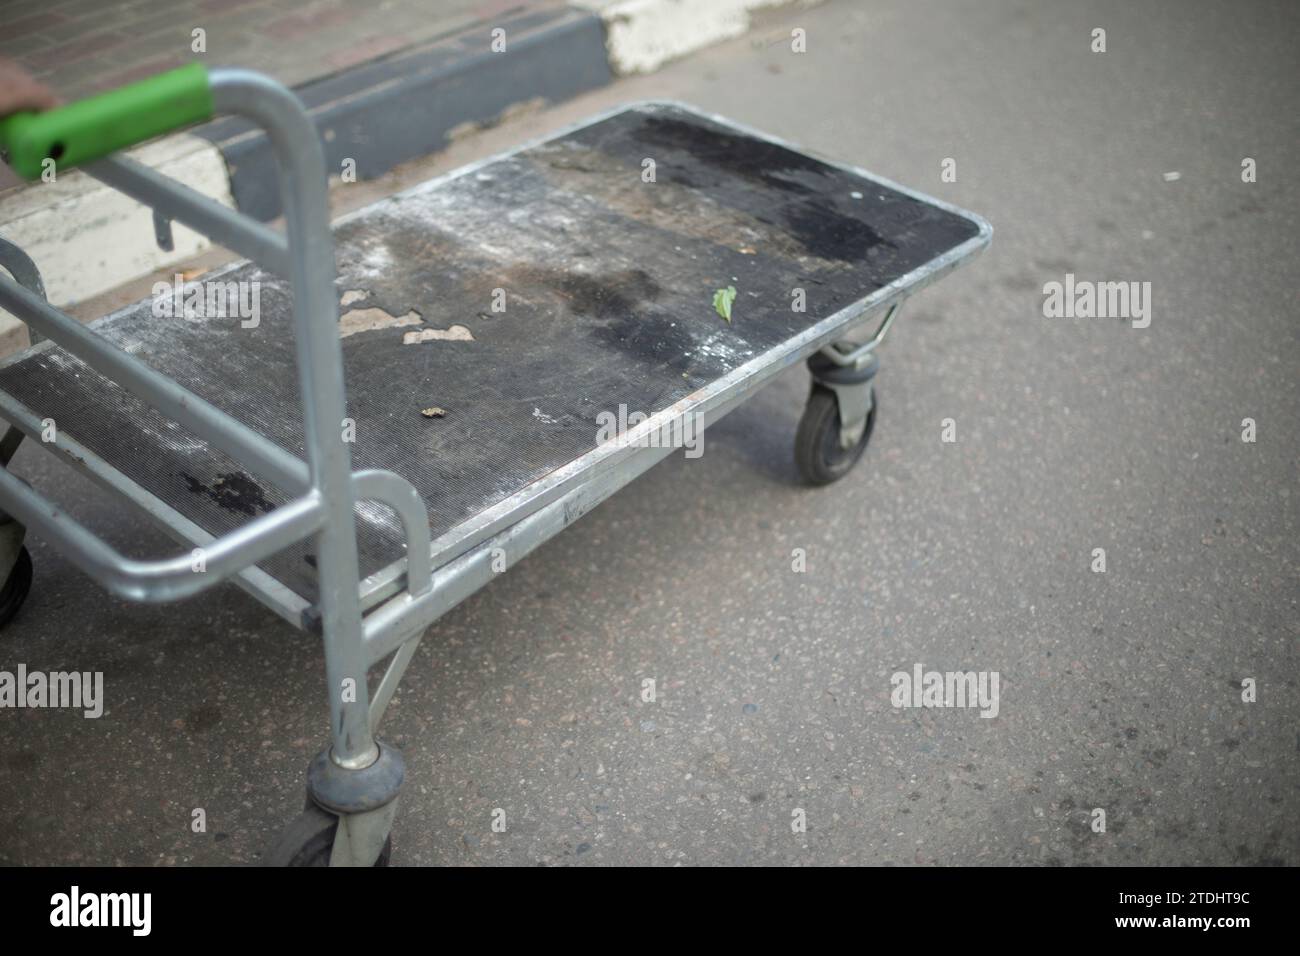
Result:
[{"x": 95, "y": 127}]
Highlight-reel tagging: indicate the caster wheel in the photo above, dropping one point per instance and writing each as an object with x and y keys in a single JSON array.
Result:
[
  {"x": 817, "y": 449},
  {"x": 309, "y": 840},
  {"x": 15, "y": 589}
]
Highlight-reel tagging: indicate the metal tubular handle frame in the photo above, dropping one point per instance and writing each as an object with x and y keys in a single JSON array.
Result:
[{"x": 325, "y": 487}]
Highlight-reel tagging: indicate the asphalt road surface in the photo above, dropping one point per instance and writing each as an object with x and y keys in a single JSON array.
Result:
[{"x": 1120, "y": 691}]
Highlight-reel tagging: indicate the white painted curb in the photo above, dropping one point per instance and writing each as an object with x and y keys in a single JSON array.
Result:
[
  {"x": 87, "y": 238},
  {"x": 642, "y": 35}
]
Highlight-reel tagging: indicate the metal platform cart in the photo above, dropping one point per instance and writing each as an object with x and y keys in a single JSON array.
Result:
[{"x": 655, "y": 262}]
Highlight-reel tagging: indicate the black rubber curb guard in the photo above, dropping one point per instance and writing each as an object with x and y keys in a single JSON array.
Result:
[{"x": 389, "y": 111}]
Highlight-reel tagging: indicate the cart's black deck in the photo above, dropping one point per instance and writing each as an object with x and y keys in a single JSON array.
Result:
[{"x": 608, "y": 283}]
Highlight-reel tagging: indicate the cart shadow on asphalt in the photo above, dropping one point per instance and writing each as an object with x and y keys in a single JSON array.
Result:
[
  {"x": 761, "y": 430},
  {"x": 225, "y": 702}
]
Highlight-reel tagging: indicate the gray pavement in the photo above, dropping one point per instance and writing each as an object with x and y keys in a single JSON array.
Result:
[{"x": 1119, "y": 691}]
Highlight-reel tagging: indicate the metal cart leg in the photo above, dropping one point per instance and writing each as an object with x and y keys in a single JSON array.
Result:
[
  {"x": 356, "y": 778},
  {"x": 320, "y": 837},
  {"x": 841, "y": 412},
  {"x": 15, "y": 561}
]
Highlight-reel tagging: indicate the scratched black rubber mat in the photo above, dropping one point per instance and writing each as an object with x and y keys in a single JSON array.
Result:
[{"x": 605, "y": 246}]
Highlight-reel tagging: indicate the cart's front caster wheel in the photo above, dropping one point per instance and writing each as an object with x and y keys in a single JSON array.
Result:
[
  {"x": 15, "y": 589},
  {"x": 309, "y": 841},
  {"x": 818, "y": 449}
]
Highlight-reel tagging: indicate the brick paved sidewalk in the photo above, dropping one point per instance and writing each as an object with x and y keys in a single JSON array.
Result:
[{"x": 81, "y": 47}]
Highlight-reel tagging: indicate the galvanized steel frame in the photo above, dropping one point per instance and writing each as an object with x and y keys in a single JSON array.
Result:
[{"x": 362, "y": 620}]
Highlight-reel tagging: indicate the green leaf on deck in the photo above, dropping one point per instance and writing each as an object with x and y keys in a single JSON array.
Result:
[{"x": 722, "y": 300}]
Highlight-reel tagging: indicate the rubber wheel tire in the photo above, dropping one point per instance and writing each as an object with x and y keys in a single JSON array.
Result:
[
  {"x": 309, "y": 840},
  {"x": 817, "y": 449},
  {"x": 16, "y": 588}
]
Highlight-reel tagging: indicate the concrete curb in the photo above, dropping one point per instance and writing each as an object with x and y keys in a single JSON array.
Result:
[
  {"x": 397, "y": 109},
  {"x": 643, "y": 35},
  {"x": 87, "y": 238}
]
